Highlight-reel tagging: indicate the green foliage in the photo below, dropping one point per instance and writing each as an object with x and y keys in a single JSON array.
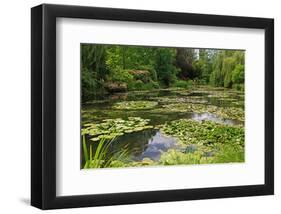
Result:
[
  {"x": 228, "y": 68},
  {"x": 238, "y": 74},
  {"x": 203, "y": 65},
  {"x": 90, "y": 85},
  {"x": 229, "y": 153},
  {"x": 164, "y": 65},
  {"x": 100, "y": 158},
  {"x": 138, "y": 85},
  {"x": 129, "y": 57},
  {"x": 147, "y": 68},
  {"x": 85, "y": 151},
  {"x": 93, "y": 69},
  {"x": 226, "y": 154},
  {"x": 151, "y": 69},
  {"x": 121, "y": 75},
  {"x": 142, "y": 75},
  {"x": 174, "y": 157},
  {"x": 183, "y": 84}
]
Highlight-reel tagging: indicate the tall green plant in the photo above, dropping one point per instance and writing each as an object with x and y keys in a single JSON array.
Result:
[{"x": 100, "y": 158}]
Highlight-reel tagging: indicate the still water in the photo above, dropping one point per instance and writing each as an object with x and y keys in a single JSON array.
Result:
[{"x": 151, "y": 143}]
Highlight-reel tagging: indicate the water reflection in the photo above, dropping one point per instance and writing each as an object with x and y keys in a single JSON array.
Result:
[
  {"x": 156, "y": 145},
  {"x": 151, "y": 143},
  {"x": 144, "y": 144},
  {"x": 214, "y": 118}
]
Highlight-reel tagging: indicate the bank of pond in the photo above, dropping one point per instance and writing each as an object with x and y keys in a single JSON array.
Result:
[{"x": 199, "y": 125}]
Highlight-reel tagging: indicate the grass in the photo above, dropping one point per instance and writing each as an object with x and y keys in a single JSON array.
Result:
[{"x": 98, "y": 159}]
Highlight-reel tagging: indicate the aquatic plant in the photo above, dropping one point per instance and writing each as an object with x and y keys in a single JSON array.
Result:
[
  {"x": 197, "y": 142},
  {"x": 134, "y": 105},
  {"x": 224, "y": 112},
  {"x": 112, "y": 128},
  {"x": 204, "y": 133},
  {"x": 226, "y": 154},
  {"x": 101, "y": 158},
  {"x": 97, "y": 160},
  {"x": 144, "y": 162},
  {"x": 174, "y": 157},
  {"x": 211, "y": 143},
  {"x": 175, "y": 99}
]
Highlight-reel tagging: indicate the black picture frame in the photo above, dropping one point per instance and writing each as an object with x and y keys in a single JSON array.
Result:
[{"x": 43, "y": 106}]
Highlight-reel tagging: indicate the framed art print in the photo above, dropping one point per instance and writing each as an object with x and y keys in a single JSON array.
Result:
[{"x": 133, "y": 106}]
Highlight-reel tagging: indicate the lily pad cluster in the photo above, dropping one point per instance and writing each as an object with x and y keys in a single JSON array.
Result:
[
  {"x": 205, "y": 133},
  {"x": 134, "y": 105},
  {"x": 224, "y": 112},
  {"x": 206, "y": 142},
  {"x": 112, "y": 128},
  {"x": 180, "y": 99}
]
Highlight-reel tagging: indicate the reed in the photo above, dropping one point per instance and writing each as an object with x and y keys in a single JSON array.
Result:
[{"x": 99, "y": 159}]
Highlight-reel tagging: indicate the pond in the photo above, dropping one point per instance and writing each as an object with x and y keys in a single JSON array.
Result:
[{"x": 146, "y": 141}]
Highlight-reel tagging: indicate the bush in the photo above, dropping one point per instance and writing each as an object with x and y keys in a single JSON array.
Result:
[
  {"x": 121, "y": 75},
  {"x": 238, "y": 74},
  {"x": 90, "y": 86},
  {"x": 183, "y": 84},
  {"x": 152, "y": 71},
  {"x": 140, "y": 86},
  {"x": 142, "y": 75}
]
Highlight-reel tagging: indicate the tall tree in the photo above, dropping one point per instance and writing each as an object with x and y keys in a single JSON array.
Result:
[
  {"x": 228, "y": 68},
  {"x": 184, "y": 60},
  {"x": 164, "y": 65}
]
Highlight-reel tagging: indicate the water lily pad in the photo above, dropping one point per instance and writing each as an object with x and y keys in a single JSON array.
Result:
[
  {"x": 112, "y": 128},
  {"x": 223, "y": 112},
  {"x": 134, "y": 105}
]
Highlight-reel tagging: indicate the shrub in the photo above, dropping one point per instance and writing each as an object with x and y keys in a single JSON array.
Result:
[
  {"x": 238, "y": 74},
  {"x": 140, "y": 86},
  {"x": 183, "y": 84},
  {"x": 90, "y": 86},
  {"x": 152, "y": 71},
  {"x": 142, "y": 75},
  {"x": 121, "y": 75}
]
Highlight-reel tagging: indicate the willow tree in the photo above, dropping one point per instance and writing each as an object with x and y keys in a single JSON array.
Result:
[
  {"x": 93, "y": 69},
  {"x": 228, "y": 68}
]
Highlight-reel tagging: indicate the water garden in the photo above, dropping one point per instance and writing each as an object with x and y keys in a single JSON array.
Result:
[
  {"x": 164, "y": 127},
  {"x": 136, "y": 117}
]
